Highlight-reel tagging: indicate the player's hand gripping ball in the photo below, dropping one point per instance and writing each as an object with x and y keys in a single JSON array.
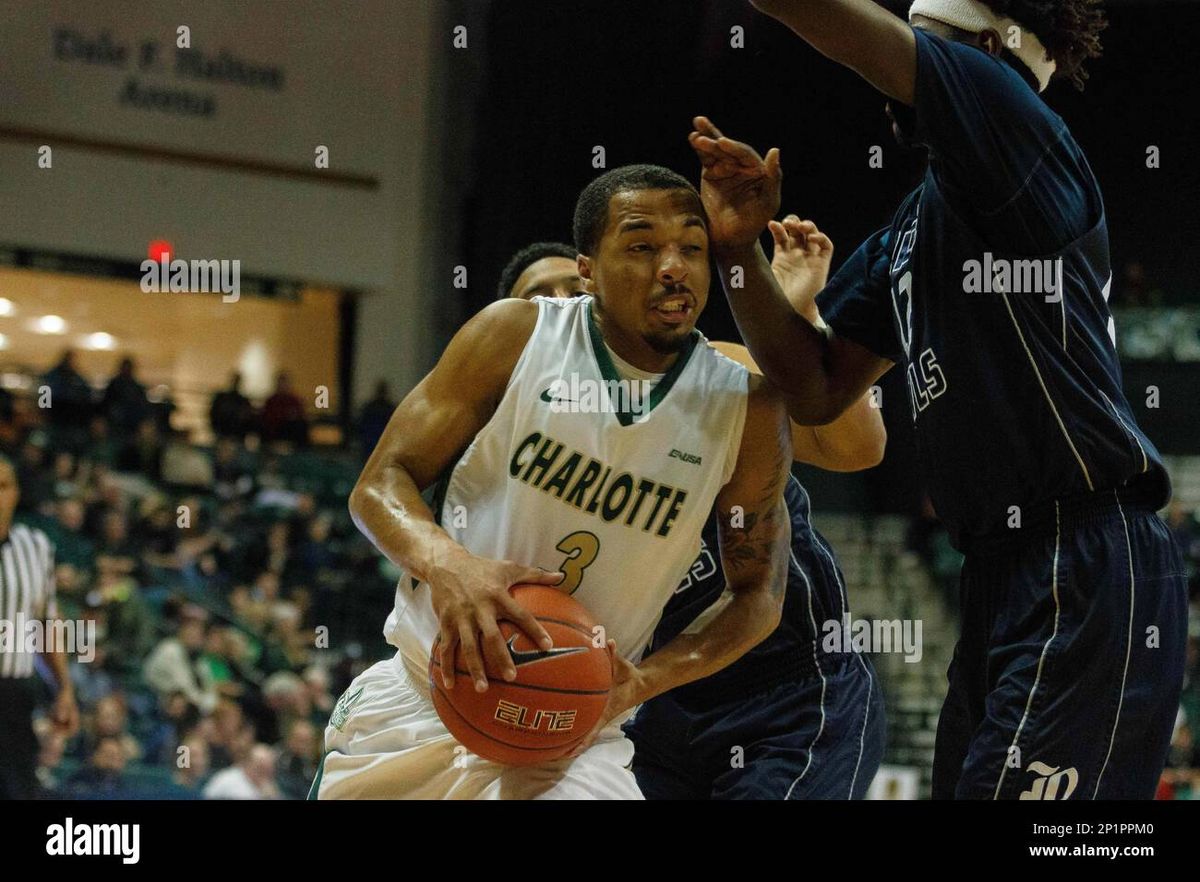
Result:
[{"x": 556, "y": 699}]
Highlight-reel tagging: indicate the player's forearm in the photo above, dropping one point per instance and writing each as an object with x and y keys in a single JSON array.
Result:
[
  {"x": 754, "y": 557},
  {"x": 855, "y": 440},
  {"x": 386, "y": 505},
  {"x": 746, "y": 621},
  {"x": 791, "y": 353}
]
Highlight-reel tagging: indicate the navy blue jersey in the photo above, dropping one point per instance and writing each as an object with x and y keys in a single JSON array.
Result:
[
  {"x": 815, "y": 596},
  {"x": 990, "y": 290}
]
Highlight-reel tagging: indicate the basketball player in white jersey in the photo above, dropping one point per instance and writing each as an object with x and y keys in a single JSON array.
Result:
[
  {"x": 581, "y": 443},
  {"x": 810, "y": 723}
]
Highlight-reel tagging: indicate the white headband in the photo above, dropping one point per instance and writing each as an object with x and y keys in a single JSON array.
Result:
[{"x": 974, "y": 16}]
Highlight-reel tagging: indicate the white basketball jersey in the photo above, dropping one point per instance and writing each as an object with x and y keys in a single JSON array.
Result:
[{"x": 577, "y": 472}]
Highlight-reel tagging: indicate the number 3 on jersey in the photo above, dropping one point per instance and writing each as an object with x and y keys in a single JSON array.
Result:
[
  {"x": 925, "y": 378},
  {"x": 581, "y": 549}
]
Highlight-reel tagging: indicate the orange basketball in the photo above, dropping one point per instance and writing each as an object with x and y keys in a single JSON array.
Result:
[{"x": 556, "y": 698}]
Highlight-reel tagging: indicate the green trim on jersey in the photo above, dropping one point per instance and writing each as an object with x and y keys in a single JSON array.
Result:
[
  {"x": 609, "y": 371},
  {"x": 316, "y": 784}
]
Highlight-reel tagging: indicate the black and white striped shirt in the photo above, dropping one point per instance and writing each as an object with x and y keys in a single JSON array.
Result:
[{"x": 26, "y": 594}]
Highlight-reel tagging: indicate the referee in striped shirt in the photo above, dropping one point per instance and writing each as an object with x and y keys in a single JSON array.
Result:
[{"x": 26, "y": 595}]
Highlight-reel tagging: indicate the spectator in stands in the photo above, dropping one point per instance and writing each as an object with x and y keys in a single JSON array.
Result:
[
  {"x": 143, "y": 452},
  {"x": 267, "y": 585},
  {"x": 227, "y": 733},
  {"x": 373, "y": 418},
  {"x": 270, "y": 476},
  {"x": 102, "y": 446},
  {"x": 174, "y": 665},
  {"x": 72, "y": 546},
  {"x": 287, "y": 698},
  {"x": 248, "y": 611},
  {"x": 192, "y": 765},
  {"x": 124, "y": 402},
  {"x": 109, "y": 719},
  {"x": 52, "y": 747},
  {"x": 116, "y": 552},
  {"x": 69, "y": 407},
  {"x": 101, "y": 778},
  {"x": 231, "y": 478},
  {"x": 274, "y": 553},
  {"x": 175, "y": 720},
  {"x": 162, "y": 405},
  {"x": 287, "y": 647},
  {"x": 93, "y": 681},
  {"x": 35, "y": 479},
  {"x": 231, "y": 414},
  {"x": 283, "y": 418},
  {"x": 184, "y": 466},
  {"x": 196, "y": 534},
  {"x": 103, "y": 494},
  {"x": 160, "y": 539},
  {"x": 314, "y": 552},
  {"x": 320, "y": 698},
  {"x": 227, "y": 656},
  {"x": 298, "y": 759},
  {"x": 128, "y": 622},
  {"x": 253, "y": 778},
  {"x": 66, "y": 481}
]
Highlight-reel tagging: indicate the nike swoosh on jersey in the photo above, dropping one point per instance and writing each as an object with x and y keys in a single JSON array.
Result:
[
  {"x": 545, "y": 396},
  {"x": 528, "y": 657}
]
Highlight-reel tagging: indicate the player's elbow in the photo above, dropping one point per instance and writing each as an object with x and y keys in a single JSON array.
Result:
[
  {"x": 874, "y": 449},
  {"x": 772, "y": 615},
  {"x": 357, "y": 501},
  {"x": 867, "y": 453},
  {"x": 814, "y": 411},
  {"x": 768, "y": 611}
]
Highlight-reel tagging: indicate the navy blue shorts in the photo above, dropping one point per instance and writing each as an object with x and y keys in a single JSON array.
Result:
[
  {"x": 820, "y": 738},
  {"x": 1065, "y": 682}
]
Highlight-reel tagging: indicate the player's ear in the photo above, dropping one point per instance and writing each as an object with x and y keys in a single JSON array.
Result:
[
  {"x": 991, "y": 43},
  {"x": 584, "y": 264}
]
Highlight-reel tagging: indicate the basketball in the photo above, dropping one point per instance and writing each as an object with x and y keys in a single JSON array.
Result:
[{"x": 556, "y": 699}]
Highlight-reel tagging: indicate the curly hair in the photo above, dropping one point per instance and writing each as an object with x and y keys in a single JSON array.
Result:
[{"x": 1069, "y": 29}]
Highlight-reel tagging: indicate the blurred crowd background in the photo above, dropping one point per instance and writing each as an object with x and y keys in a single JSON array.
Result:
[{"x": 231, "y": 595}]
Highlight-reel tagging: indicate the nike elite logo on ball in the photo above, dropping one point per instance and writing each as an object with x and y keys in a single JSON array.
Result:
[{"x": 536, "y": 655}]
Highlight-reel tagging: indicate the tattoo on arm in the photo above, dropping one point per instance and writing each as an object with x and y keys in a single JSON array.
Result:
[{"x": 752, "y": 544}]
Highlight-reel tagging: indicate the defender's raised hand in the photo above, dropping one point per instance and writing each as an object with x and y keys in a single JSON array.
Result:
[
  {"x": 800, "y": 262},
  {"x": 740, "y": 189}
]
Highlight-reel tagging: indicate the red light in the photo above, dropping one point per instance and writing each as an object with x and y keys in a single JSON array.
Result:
[{"x": 160, "y": 247}]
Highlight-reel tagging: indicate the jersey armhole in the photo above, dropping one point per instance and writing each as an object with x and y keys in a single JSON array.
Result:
[{"x": 525, "y": 352}]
